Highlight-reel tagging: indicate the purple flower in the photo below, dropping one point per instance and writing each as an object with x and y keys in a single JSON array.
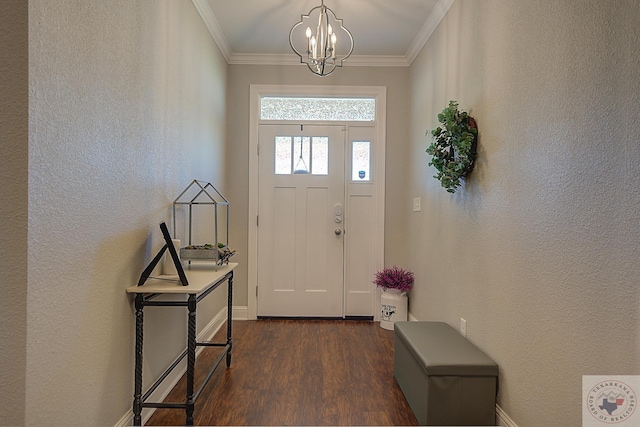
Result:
[{"x": 394, "y": 278}]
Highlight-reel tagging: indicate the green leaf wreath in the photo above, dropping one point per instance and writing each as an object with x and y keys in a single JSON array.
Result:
[{"x": 454, "y": 146}]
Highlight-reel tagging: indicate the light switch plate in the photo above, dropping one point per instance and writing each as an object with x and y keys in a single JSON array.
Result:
[{"x": 416, "y": 204}]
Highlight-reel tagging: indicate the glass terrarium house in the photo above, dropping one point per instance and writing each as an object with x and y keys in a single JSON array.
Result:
[{"x": 201, "y": 222}]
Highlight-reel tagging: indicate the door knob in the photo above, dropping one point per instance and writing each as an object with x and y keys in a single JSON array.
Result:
[{"x": 338, "y": 231}]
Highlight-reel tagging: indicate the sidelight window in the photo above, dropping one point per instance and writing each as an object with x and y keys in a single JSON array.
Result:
[{"x": 361, "y": 161}]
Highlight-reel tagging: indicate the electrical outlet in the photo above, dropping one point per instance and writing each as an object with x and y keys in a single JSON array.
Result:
[
  {"x": 463, "y": 327},
  {"x": 416, "y": 204}
]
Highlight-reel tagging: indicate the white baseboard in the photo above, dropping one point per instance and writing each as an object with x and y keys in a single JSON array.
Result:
[
  {"x": 503, "y": 419},
  {"x": 172, "y": 379},
  {"x": 240, "y": 313}
]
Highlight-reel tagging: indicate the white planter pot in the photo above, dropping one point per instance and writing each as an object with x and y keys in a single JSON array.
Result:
[{"x": 393, "y": 306}]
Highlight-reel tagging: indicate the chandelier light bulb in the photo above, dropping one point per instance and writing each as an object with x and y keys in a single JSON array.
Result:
[
  {"x": 333, "y": 46},
  {"x": 314, "y": 54}
]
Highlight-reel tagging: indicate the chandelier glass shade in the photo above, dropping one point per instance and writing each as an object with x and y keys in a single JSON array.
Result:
[{"x": 316, "y": 38}]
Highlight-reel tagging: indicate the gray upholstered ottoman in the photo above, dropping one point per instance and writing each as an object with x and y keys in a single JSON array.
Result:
[{"x": 446, "y": 379}]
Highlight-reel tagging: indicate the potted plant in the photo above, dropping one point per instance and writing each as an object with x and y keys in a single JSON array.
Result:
[
  {"x": 454, "y": 149},
  {"x": 395, "y": 282}
]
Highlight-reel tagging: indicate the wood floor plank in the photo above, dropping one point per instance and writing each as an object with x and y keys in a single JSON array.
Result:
[{"x": 298, "y": 372}]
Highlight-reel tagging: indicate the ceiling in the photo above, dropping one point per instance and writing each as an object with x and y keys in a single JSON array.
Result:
[{"x": 385, "y": 32}]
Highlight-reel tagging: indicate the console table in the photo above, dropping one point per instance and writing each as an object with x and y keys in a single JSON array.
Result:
[{"x": 202, "y": 280}]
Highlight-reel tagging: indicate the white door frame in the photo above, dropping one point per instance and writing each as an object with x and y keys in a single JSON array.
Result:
[{"x": 256, "y": 92}]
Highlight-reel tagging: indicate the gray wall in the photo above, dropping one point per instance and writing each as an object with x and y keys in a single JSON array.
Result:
[
  {"x": 539, "y": 250},
  {"x": 242, "y": 76},
  {"x": 14, "y": 140},
  {"x": 127, "y": 107}
]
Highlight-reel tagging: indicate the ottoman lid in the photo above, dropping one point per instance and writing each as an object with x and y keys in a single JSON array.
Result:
[{"x": 441, "y": 350}]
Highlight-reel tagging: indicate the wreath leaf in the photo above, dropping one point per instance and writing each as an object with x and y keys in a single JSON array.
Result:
[{"x": 453, "y": 150}]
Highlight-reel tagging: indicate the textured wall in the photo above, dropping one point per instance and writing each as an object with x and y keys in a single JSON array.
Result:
[
  {"x": 14, "y": 140},
  {"x": 127, "y": 106},
  {"x": 242, "y": 76},
  {"x": 539, "y": 250}
]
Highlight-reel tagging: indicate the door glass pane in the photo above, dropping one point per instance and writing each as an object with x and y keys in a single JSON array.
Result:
[
  {"x": 301, "y": 154},
  {"x": 360, "y": 161},
  {"x": 283, "y": 155},
  {"x": 320, "y": 156}
]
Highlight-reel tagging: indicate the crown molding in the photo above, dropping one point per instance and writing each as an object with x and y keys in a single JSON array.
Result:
[
  {"x": 212, "y": 24},
  {"x": 439, "y": 11},
  {"x": 214, "y": 27},
  {"x": 263, "y": 59},
  {"x": 292, "y": 59},
  {"x": 377, "y": 61}
]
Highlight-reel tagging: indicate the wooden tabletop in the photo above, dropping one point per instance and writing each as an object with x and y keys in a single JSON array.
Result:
[{"x": 199, "y": 275}]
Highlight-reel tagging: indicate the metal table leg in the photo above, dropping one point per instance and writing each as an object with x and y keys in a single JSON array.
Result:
[
  {"x": 229, "y": 316},
  {"x": 137, "y": 396},
  {"x": 191, "y": 358}
]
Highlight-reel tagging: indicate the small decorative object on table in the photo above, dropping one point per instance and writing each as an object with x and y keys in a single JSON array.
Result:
[
  {"x": 224, "y": 253},
  {"x": 208, "y": 252},
  {"x": 395, "y": 283},
  {"x": 201, "y": 213}
]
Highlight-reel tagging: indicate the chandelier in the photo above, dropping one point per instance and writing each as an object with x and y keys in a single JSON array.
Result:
[{"x": 319, "y": 50}]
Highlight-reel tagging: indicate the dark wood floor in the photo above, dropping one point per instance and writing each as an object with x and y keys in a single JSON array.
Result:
[{"x": 298, "y": 372}]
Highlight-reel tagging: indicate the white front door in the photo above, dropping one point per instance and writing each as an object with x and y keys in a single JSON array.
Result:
[{"x": 301, "y": 220}]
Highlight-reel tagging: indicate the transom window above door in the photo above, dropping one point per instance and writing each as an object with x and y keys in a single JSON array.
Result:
[{"x": 318, "y": 109}]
